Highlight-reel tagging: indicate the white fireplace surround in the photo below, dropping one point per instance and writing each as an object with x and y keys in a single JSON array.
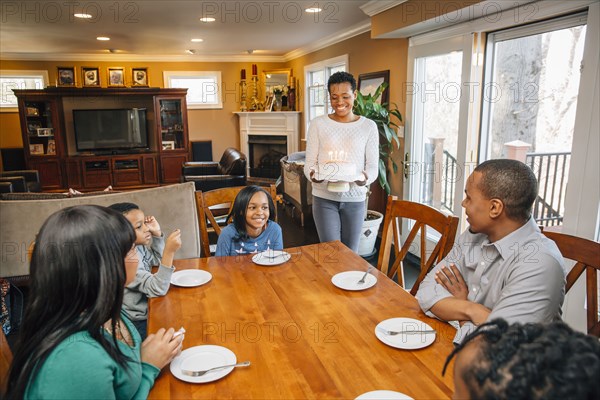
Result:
[{"x": 275, "y": 123}]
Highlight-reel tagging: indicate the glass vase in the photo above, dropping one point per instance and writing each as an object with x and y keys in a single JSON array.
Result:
[{"x": 277, "y": 102}]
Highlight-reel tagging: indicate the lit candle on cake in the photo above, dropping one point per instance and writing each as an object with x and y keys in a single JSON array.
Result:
[{"x": 337, "y": 171}]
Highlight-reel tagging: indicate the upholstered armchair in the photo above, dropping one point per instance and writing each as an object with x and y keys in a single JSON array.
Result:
[
  {"x": 208, "y": 175},
  {"x": 31, "y": 177}
]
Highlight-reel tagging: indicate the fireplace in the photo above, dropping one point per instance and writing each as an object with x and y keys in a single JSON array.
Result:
[
  {"x": 264, "y": 153},
  {"x": 266, "y": 137}
]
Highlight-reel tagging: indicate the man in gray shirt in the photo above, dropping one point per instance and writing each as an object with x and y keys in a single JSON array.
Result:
[{"x": 502, "y": 266}]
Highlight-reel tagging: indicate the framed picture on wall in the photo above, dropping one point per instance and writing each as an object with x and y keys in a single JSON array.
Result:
[
  {"x": 139, "y": 77},
  {"x": 116, "y": 77},
  {"x": 368, "y": 84},
  {"x": 90, "y": 76},
  {"x": 65, "y": 76}
]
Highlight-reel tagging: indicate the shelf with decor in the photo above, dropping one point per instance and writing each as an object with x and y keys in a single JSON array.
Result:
[
  {"x": 147, "y": 144},
  {"x": 171, "y": 126},
  {"x": 43, "y": 142}
]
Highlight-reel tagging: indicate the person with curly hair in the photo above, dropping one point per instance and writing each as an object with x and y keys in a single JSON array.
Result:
[
  {"x": 339, "y": 214},
  {"x": 526, "y": 361}
]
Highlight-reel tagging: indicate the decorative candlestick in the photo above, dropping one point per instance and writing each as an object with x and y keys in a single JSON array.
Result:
[
  {"x": 254, "y": 103},
  {"x": 243, "y": 106}
]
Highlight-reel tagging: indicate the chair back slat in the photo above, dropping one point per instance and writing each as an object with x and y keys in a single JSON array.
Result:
[
  {"x": 586, "y": 254},
  {"x": 424, "y": 217},
  {"x": 5, "y": 361},
  {"x": 216, "y": 203}
]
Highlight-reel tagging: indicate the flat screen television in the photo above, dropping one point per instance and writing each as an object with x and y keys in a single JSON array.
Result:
[{"x": 110, "y": 129}]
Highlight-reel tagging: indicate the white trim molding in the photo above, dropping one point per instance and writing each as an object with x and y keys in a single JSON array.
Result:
[{"x": 375, "y": 7}]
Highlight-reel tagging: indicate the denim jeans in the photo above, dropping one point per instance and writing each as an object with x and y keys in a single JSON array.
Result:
[{"x": 339, "y": 220}]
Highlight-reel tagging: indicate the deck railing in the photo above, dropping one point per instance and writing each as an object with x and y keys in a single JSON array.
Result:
[{"x": 551, "y": 171}]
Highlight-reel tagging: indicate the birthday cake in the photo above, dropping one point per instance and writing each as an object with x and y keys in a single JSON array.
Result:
[
  {"x": 338, "y": 174},
  {"x": 337, "y": 171}
]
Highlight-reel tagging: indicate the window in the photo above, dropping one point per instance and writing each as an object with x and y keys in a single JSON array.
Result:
[
  {"x": 204, "y": 87},
  {"x": 537, "y": 66},
  {"x": 316, "y": 85},
  {"x": 17, "y": 79}
]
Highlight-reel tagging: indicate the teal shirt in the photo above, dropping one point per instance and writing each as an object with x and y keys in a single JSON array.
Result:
[{"x": 79, "y": 368}]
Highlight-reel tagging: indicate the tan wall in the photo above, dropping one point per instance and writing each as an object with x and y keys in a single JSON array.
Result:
[
  {"x": 221, "y": 126},
  {"x": 415, "y": 11}
]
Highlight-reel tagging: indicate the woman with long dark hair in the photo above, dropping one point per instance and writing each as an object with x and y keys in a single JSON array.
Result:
[{"x": 74, "y": 341}]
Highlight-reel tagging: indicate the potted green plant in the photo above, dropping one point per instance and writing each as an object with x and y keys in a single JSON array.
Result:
[{"x": 387, "y": 120}]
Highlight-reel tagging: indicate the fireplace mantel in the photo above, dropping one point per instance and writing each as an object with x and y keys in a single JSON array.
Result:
[{"x": 275, "y": 123}]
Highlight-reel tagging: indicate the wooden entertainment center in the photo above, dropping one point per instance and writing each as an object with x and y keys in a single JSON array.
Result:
[{"x": 50, "y": 145}]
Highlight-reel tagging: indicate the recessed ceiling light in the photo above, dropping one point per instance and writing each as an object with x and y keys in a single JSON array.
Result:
[
  {"x": 197, "y": 40},
  {"x": 207, "y": 19},
  {"x": 313, "y": 10},
  {"x": 81, "y": 15},
  {"x": 104, "y": 38}
]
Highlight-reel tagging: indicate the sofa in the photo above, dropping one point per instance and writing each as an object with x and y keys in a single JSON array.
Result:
[
  {"x": 20, "y": 219},
  {"x": 208, "y": 175}
]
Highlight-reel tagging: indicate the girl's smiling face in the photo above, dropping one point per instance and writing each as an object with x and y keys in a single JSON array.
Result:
[{"x": 257, "y": 214}]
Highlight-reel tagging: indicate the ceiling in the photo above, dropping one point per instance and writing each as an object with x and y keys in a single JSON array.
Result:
[{"x": 162, "y": 30}]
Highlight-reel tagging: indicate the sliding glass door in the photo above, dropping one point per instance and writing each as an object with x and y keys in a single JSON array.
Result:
[{"x": 437, "y": 139}]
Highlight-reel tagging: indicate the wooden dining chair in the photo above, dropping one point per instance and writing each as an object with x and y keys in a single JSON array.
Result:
[
  {"x": 423, "y": 216},
  {"x": 5, "y": 361},
  {"x": 586, "y": 254},
  {"x": 213, "y": 208}
]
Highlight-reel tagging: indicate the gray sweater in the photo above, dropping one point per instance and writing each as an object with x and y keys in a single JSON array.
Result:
[{"x": 145, "y": 284}]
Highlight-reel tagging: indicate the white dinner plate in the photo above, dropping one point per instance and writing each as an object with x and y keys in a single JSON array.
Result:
[
  {"x": 405, "y": 341},
  {"x": 383, "y": 395},
  {"x": 349, "y": 280},
  {"x": 190, "y": 277},
  {"x": 271, "y": 257},
  {"x": 200, "y": 358}
]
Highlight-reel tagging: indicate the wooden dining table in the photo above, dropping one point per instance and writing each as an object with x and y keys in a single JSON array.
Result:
[{"x": 305, "y": 337}]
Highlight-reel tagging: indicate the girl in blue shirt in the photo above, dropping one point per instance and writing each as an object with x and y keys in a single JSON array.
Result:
[{"x": 253, "y": 229}]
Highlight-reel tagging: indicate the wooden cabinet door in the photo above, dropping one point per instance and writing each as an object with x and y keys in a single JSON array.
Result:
[
  {"x": 50, "y": 172},
  {"x": 73, "y": 170},
  {"x": 171, "y": 167},
  {"x": 150, "y": 170}
]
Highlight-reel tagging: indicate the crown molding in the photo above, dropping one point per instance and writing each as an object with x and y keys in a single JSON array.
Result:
[
  {"x": 375, "y": 7},
  {"x": 83, "y": 57},
  {"x": 329, "y": 40}
]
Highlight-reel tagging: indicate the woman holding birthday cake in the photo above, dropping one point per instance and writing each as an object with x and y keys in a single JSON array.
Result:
[{"x": 342, "y": 156}]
